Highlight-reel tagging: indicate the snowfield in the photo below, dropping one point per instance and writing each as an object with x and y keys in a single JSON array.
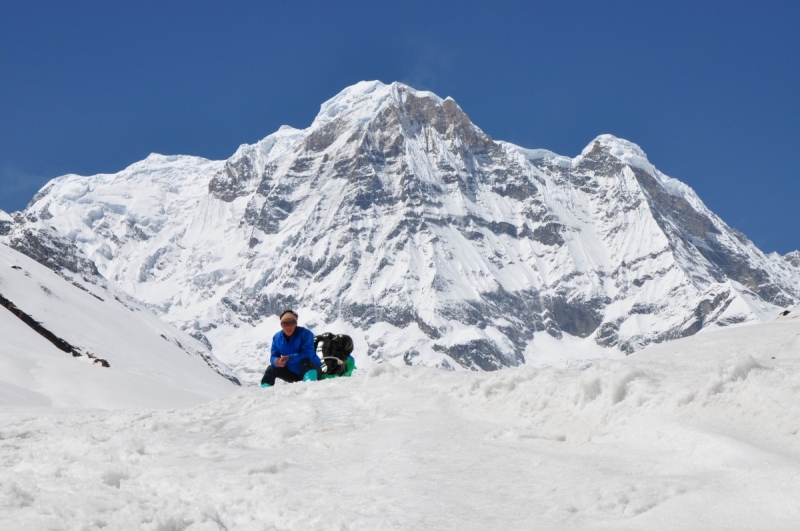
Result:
[{"x": 700, "y": 433}]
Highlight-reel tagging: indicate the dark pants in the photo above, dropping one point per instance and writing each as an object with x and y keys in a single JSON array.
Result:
[{"x": 286, "y": 375}]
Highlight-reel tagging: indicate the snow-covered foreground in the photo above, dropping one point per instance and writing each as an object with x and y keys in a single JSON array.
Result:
[{"x": 701, "y": 433}]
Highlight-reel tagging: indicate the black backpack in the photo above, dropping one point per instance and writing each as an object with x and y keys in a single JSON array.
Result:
[{"x": 333, "y": 350}]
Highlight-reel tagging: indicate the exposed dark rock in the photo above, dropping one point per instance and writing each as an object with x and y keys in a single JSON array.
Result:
[
  {"x": 201, "y": 337},
  {"x": 514, "y": 186},
  {"x": 671, "y": 208},
  {"x": 6, "y": 227},
  {"x": 44, "y": 213},
  {"x": 793, "y": 258},
  {"x": 576, "y": 316},
  {"x": 597, "y": 161},
  {"x": 323, "y": 137},
  {"x": 727, "y": 321},
  {"x": 41, "y": 194},
  {"x": 233, "y": 180},
  {"x": 468, "y": 223},
  {"x": 608, "y": 333},
  {"x": 549, "y": 234},
  {"x": 640, "y": 308},
  {"x": 409, "y": 356},
  {"x": 703, "y": 310},
  {"x": 53, "y": 251},
  {"x": 274, "y": 210},
  {"x": 479, "y": 354},
  {"x": 302, "y": 164},
  {"x": 671, "y": 211},
  {"x": 429, "y": 331},
  {"x": 738, "y": 268},
  {"x": 37, "y": 327},
  {"x": 138, "y": 232}
]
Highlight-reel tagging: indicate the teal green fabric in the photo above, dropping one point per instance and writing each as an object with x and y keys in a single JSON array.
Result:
[
  {"x": 310, "y": 376},
  {"x": 351, "y": 366}
]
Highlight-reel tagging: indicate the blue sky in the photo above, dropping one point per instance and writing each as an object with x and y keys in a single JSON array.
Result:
[{"x": 710, "y": 90}]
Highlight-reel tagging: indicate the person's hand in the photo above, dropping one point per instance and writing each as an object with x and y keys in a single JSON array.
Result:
[{"x": 281, "y": 362}]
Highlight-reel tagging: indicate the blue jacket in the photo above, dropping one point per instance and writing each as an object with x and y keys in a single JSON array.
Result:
[{"x": 298, "y": 347}]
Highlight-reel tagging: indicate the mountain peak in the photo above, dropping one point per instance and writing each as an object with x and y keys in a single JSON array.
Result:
[
  {"x": 366, "y": 98},
  {"x": 623, "y": 150},
  {"x": 793, "y": 258}
]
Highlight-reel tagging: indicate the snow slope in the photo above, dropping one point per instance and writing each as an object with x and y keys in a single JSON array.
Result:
[
  {"x": 699, "y": 433},
  {"x": 151, "y": 364}
]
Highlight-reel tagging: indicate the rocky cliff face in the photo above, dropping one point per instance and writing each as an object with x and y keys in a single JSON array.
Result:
[
  {"x": 793, "y": 259},
  {"x": 394, "y": 218},
  {"x": 6, "y": 223}
]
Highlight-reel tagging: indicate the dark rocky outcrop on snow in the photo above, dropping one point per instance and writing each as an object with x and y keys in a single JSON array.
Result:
[
  {"x": 54, "y": 251},
  {"x": 37, "y": 327}
]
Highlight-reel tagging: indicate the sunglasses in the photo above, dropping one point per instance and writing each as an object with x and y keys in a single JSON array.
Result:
[{"x": 288, "y": 323}]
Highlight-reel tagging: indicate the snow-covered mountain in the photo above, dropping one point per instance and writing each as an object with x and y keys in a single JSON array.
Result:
[
  {"x": 68, "y": 345},
  {"x": 395, "y": 219}
]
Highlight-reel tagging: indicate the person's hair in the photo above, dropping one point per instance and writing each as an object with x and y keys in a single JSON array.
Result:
[{"x": 288, "y": 311}]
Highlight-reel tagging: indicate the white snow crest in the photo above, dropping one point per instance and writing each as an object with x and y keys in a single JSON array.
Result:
[{"x": 624, "y": 150}]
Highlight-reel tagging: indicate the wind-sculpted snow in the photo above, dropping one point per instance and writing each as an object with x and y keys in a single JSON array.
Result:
[
  {"x": 700, "y": 433},
  {"x": 393, "y": 218}
]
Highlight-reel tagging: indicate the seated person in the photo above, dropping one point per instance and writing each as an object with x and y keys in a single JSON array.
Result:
[{"x": 293, "y": 357}]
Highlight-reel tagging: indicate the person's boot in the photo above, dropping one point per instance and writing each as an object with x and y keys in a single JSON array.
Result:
[
  {"x": 310, "y": 376},
  {"x": 265, "y": 384}
]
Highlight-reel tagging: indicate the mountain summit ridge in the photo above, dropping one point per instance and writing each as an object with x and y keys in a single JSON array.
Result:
[{"x": 393, "y": 218}]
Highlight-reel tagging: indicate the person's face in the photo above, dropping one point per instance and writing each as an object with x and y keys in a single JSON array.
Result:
[{"x": 289, "y": 324}]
